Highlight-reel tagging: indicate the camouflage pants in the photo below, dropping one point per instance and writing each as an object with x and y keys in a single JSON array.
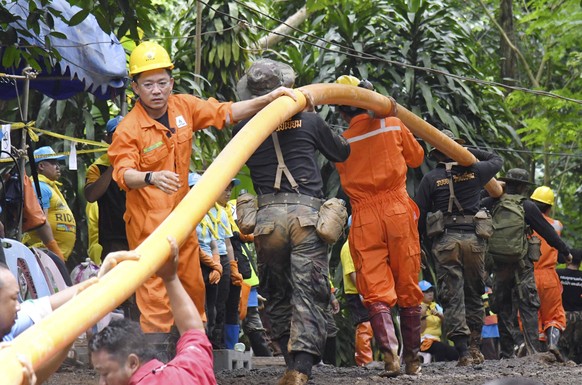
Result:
[
  {"x": 514, "y": 287},
  {"x": 571, "y": 341},
  {"x": 295, "y": 275},
  {"x": 460, "y": 267}
]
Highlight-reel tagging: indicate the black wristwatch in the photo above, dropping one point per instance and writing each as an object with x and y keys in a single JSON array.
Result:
[{"x": 148, "y": 178}]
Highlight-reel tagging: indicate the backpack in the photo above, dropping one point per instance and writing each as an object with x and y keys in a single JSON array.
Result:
[{"x": 508, "y": 244}]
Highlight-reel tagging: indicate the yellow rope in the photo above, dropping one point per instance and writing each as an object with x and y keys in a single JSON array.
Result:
[{"x": 32, "y": 132}]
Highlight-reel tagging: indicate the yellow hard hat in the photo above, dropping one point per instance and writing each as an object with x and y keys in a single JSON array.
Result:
[
  {"x": 543, "y": 194},
  {"x": 148, "y": 56},
  {"x": 348, "y": 80}
]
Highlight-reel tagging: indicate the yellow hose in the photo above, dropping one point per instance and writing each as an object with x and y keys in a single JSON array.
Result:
[{"x": 58, "y": 330}]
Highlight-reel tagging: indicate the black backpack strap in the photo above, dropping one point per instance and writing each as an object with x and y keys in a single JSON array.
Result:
[
  {"x": 282, "y": 167},
  {"x": 452, "y": 197}
]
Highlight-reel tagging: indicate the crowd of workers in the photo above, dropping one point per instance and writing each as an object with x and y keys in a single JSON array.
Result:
[{"x": 475, "y": 305}]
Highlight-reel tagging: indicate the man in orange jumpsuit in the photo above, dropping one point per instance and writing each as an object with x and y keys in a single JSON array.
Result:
[
  {"x": 150, "y": 154},
  {"x": 383, "y": 238},
  {"x": 551, "y": 315}
]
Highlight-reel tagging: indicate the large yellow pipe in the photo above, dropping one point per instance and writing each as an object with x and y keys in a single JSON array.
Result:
[
  {"x": 59, "y": 329},
  {"x": 383, "y": 106},
  {"x": 69, "y": 321}
]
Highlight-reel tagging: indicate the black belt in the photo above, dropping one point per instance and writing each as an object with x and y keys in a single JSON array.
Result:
[
  {"x": 289, "y": 199},
  {"x": 458, "y": 219},
  {"x": 459, "y": 231}
]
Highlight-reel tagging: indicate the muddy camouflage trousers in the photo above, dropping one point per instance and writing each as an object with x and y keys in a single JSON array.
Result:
[
  {"x": 514, "y": 286},
  {"x": 460, "y": 267},
  {"x": 571, "y": 341},
  {"x": 294, "y": 275}
]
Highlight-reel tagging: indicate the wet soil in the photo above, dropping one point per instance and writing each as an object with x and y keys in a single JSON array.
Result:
[{"x": 541, "y": 368}]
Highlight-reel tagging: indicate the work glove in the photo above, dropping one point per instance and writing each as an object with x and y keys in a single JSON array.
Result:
[
  {"x": 236, "y": 278},
  {"x": 216, "y": 274},
  {"x": 214, "y": 263},
  {"x": 248, "y": 238},
  {"x": 211, "y": 261},
  {"x": 54, "y": 247}
]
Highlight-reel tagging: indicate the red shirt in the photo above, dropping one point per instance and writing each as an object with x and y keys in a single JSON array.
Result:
[{"x": 193, "y": 364}]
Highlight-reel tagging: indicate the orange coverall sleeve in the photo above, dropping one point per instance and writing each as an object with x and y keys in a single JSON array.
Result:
[
  {"x": 209, "y": 113},
  {"x": 411, "y": 150},
  {"x": 124, "y": 152}
]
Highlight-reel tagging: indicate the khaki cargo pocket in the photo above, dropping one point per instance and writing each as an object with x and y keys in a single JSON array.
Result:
[
  {"x": 307, "y": 220},
  {"x": 264, "y": 228},
  {"x": 445, "y": 252}
]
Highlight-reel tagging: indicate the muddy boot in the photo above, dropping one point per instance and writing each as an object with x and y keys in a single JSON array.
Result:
[
  {"x": 383, "y": 327},
  {"x": 475, "y": 348},
  {"x": 293, "y": 377},
  {"x": 410, "y": 329},
  {"x": 461, "y": 347},
  {"x": 553, "y": 336}
]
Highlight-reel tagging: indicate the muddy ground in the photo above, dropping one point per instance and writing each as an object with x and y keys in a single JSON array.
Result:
[{"x": 542, "y": 368}]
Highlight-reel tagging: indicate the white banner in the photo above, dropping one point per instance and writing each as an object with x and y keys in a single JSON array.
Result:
[
  {"x": 5, "y": 141},
  {"x": 73, "y": 156}
]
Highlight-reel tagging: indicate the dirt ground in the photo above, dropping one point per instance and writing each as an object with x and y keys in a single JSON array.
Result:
[{"x": 541, "y": 368}]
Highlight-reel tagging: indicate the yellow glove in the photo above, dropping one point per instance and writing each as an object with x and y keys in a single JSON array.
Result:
[{"x": 235, "y": 277}]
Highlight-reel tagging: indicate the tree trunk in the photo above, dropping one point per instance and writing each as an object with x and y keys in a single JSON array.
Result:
[
  {"x": 508, "y": 57},
  {"x": 284, "y": 29}
]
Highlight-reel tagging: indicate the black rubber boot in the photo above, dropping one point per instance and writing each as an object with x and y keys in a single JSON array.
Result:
[
  {"x": 410, "y": 329},
  {"x": 385, "y": 336},
  {"x": 553, "y": 335},
  {"x": 329, "y": 353},
  {"x": 259, "y": 345}
]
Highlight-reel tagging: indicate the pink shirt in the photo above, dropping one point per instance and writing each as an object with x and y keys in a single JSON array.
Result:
[{"x": 193, "y": 364}]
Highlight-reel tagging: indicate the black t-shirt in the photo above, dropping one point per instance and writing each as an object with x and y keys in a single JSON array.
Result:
[
  {"x": 433, "y": 192},
  {"x": 299, "y": 137},
  {"x": 572, "y": 283},
  {"x": 111, "y": 210}
]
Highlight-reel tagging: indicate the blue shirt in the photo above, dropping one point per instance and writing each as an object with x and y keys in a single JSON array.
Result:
[
  {"x": 222, "y": 226},
  {"x": 205, "y": 235},
  {"x": 46, "y": 193}
]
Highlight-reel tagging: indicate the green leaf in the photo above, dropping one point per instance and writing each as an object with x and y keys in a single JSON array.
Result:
[
  {"x": 58, "y": 35},
  {"x": 60, "y": 109},
  {"x": 11, "y": 57},
  {"x": 78, "y": 17}
]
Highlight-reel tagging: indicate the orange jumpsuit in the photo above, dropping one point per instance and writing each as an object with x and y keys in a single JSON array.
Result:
[
  {"x": 551, "y": 311},
  {"x": 383, "y": 238},
  {"x": 143, "y": 144}
]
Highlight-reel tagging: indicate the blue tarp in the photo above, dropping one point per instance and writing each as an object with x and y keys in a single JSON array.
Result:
[{"x": 92, "y": 60}]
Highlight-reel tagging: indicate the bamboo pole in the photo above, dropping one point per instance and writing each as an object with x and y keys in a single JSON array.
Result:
[{"x": 42, "y": 341}]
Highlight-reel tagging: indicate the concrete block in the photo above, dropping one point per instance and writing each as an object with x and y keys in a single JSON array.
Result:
[{"x": 225, "y": 359}]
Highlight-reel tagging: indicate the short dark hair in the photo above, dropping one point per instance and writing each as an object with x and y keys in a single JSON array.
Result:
[
  {"x": 576, "y": 256},
  {"x": 542, "y": 206},
  {"x": 121, "y": 338},
  {"x": 352, "y": 111}
]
